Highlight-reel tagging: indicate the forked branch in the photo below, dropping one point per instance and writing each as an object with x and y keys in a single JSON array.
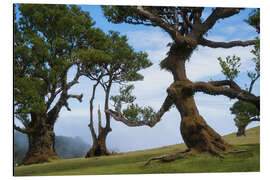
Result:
[{"x": 155, "y": 20}]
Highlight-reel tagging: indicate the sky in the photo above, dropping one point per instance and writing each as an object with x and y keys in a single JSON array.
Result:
[{"x": 202, "y": 66}]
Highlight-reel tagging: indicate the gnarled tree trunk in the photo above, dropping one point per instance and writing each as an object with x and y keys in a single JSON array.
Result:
[
  {"x": 41, "y": 145},
  {"x": 196, "y": 133},
  {"x": 99, "y": 145}
]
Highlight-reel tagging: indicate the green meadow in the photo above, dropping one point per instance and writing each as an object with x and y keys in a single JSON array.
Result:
[{"x": 132, "y": 162}]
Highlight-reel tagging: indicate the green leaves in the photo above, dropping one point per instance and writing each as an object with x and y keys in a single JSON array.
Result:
[
  {"x": 254, "y": 19},
  {"x": 115, "y": 58},
  {"x": 132, "y": 111},
  {"x": 230, "y": 66},
  {"x": 135, "y": 113},
  {"x": 48, "y": 40},
  {"x": 244, "y": 112},
  {"x": 124, "y": 95}
]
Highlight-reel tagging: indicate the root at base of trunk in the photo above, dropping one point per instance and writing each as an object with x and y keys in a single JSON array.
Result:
[
  {"x": 97, "y": 151},
  {"x": 39, "y": 157},
  {"x": 188, "y": 152}
]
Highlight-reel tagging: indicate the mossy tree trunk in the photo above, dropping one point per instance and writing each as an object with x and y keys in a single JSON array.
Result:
[
  {"x": 41, "y": 142},
  {"x": 196, "y": 133}
]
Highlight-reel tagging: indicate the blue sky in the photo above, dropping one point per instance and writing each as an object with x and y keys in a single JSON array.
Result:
[{"x": 202, "y": 66}]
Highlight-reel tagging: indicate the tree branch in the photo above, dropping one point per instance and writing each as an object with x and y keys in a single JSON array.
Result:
[
  {"x": 252, "y": 83},
  {"x": 91, "y": 123},
  {"x": 24, "y": 131},
  {"x": 78, "y": 97},
  {"x": 118, "y": 116},
  {"x": 155, "y": 19},
  {"x": 213, "y": 44},
  {"x": 217, "y": 14},
  {"x": 255, "y": 119},
  {"x": 208, "y": 88},
  {"x": 229, "y": 83}
]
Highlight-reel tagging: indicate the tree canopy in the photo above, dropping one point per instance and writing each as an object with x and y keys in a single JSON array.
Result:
[
  {"x": 122, "y": 66},
  {"x": 48, "y": 41}
]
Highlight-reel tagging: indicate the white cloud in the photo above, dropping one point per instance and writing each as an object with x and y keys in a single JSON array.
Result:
[
  {"x": 203, "y": 63},
  {"x": 82, "y": 112},
  {"x": 155, "y": 81},
  {"x": 153, "y": 39}
]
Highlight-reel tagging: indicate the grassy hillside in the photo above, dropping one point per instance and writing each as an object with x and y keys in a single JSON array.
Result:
[{"x": 132, "y": 162}]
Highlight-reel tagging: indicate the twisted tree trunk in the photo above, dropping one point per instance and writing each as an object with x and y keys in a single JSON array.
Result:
[{"x": 196, "y": 133}]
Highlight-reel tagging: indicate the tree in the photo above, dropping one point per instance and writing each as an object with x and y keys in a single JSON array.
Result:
[
  {"x": 187, "y": 30},
  {"x": 244, "y": 112},
  {"x": 65, "y": 147},
  {"x": 120, "y": 65},
  {"x": 48, "y": 40}
]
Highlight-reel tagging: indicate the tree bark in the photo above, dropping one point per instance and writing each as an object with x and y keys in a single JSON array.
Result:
[
  {"x": 99, "y": 141},
  {"x": 241, "y": 131},
  {"x": 196, "y": 133},
  {"x": 99, "y": 145},
  {"x": 41, "y": 145}
]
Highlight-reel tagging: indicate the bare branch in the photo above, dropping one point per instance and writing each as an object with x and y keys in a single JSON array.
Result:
[
  {"x": 78, "y": 97},
  {"x": 24, "y": 131},
  {"x": 118, "y": 116},
  {"x": 208, "y": 88},
  {"x": 255, "y": 119},
  {"x": 155, "y": 19},
  {"x": 67, "y": 106},
  {"x": 65, "y": 87},
  {"x": 186, "y": 20},
  {"x": 213, "y": 44},
  {"x": 91, "y": 123},
  {"x": 252, "y": 83},
  {"x": 229, "y": 83},
  {"x": 217, "y": 14},
  {"x": 196, "y": 15}
]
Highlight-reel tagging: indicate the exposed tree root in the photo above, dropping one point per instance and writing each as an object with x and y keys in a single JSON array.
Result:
[
  {"x": 181, "y": 155},
  {"x": 239, "y": 151},
  {"x": 169, "y": 158},
  {"x": 166, "y": 158}
]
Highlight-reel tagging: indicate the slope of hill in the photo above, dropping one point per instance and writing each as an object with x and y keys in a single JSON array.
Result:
[{"x": 132, "y": 162}]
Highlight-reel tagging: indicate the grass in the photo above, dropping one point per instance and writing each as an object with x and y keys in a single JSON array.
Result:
[{"x": 132, "y": 162}]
